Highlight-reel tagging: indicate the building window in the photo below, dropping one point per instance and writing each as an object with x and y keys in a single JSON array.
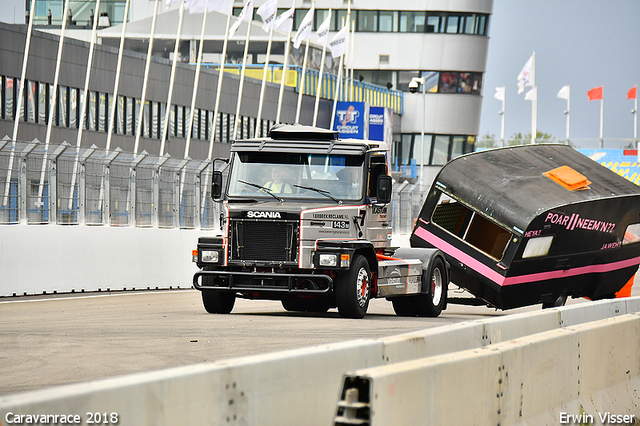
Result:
[
  {"x": 102, "y": 112},
  {"x": 412, "y": 22},
  {"x": 121, "y": 114},
  {"x": 43, "y": 102},
  {"x": 452, "y": 24},
  {"x": 367, "y": 21},
  {"x": 74, "y": 111},
  {"x": 388, "y": 21}
]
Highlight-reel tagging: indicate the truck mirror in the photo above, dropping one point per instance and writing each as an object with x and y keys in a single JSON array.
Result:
[
  {"x": 216, "y": 185},
  {"x": 383, "y": 193}
]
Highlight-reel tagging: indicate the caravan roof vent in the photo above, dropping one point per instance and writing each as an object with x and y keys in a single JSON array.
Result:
[{"x": 568, "y": 178}]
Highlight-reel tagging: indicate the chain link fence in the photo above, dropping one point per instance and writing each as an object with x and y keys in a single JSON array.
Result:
[{"x": 58, "y": 184}]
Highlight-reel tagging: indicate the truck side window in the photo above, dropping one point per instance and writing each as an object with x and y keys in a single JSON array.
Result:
[{"x": 378, "y": 166}]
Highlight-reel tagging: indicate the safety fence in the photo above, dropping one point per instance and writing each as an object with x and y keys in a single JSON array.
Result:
[{"x": 61, "y": 184}]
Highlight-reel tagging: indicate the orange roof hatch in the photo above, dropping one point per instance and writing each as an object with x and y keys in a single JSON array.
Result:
[{"x": 568, "y": 178}]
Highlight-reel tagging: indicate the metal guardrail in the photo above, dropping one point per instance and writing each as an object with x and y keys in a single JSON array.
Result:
[
  {"x": 362, "y": 92},
  {"x": 90, "y": 186}
]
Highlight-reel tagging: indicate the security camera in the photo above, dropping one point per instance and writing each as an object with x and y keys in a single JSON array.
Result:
[{"x": 413, "y": 86}]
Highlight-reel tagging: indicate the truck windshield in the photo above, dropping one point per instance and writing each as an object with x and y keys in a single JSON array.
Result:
[{"x": 290, "y": 175}]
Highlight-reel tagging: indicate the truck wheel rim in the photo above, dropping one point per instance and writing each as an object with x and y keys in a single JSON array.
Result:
[
  {"x": 436, "y": 287},
  {"x": 362, "y": 287}
]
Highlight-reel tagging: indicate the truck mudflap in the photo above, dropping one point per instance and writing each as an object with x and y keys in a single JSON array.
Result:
[{"x": 266, "y": 282}]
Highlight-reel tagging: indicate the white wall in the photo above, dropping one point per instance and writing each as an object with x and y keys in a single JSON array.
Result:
[{"x": 57, "y": 258}]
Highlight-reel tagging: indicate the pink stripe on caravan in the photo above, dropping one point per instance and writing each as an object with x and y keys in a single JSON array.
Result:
[
  {"x": 520, "y": 279},
  {"x": 591, "y": 269},
  {"x": 472, "y": 263}
]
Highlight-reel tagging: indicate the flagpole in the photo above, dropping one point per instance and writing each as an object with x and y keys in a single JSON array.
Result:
[
  {"x": 219, "y": 90},
  {"x": 635, "y": 117},
  {"x": 83, "y": 106},
  {"x": 353, "y": 37},
  {"x": 602, "y": 119},
  {"x": 321, "y": 76},
  {"x": 264, "y": 82},
  {"x": 117, "y": 80},
  {"x": 196, "y": 81},
  {"x": 302, "y": 81},
  {"x": 568, "y": 113},
  {"x": 337, "y": 93},
  {"x": 284, "y": 72},
  {"x": 502, "y": 115},
  {"x": 534, "y": 102},
  {"x": 242, "y": 73},
  {"x": 176, "y": 51},
  {"x": 146, "y": 79}
]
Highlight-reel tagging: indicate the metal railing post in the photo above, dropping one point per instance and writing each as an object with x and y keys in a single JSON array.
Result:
[
  {"x": 199, "y": 196},
  {"x": 106, "y": 205},
  {"x": 132, "y": 187},
  {"x": 176, "y": 193},
  {"x": 53, "y": 182},
  {"x": 82, "y": 185},
  {"x": 155, "y": 219},
  {"x": 23, "y": 220}
]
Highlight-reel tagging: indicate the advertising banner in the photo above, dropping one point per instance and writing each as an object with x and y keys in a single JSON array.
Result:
[
  {"x": 352, "y": 120},
  {"x": 381, "y": 124}
]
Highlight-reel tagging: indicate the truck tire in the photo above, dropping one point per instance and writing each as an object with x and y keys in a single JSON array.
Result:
[
  {"x": 429, "y": 304},
  {"x": 435, "y": 298},
  {"x": 218, "y": 302},
  {"x": 353, "y": 289},
  {"x": 406, "y": 306}
]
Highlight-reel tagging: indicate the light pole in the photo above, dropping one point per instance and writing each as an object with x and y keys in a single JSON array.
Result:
[{"x": 413, "y": 88}]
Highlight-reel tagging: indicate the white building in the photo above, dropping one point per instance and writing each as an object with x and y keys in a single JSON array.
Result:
[{"x": 444, "y": 41}]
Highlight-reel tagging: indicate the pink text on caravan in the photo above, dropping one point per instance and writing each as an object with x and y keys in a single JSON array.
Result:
[{"x": 574, "y": 220}]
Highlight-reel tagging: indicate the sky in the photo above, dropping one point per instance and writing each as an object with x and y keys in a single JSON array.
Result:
[{"x": 584, "y": 43}]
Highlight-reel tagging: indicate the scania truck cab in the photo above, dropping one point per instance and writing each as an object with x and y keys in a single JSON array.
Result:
[{"x": 306, "y": 219}]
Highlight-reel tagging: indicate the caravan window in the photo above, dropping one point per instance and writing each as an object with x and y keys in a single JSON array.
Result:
[{"x": 470, "y": 226}]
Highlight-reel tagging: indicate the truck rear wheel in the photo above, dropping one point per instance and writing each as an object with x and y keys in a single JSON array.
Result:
[
  {"x": 429, "y": 304},
  {"x": 436, "y": 296},
  {"x": 218, "y": 302},
  {"x": 353, "y": 289}
]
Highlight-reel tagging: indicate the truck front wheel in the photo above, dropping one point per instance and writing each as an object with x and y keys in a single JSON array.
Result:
[
  {"x": 353, "y": 289},
  {"x": 218, "y": 302}
]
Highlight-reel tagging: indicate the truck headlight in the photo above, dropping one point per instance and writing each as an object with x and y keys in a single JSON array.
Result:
[
  {"x": 345, "y": 260},
  {"x": 328, "y": 260},
  {"x": 210, "y": 256}
]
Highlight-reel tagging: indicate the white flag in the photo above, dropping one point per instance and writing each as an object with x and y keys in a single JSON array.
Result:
[
  {"x": 323, "y": 30},
  {"x": 245, "y": 15},
  {"x": 531, "y": 95},
  {"x": 338, "y": 44},
  {"x": 304, "y": 31},
  {"x": 284, "y": 22},
  {"x": 268, "y": 13},
  {"x": 565, "y": 92},
  {"x": 200, "y": 6},
  {"x": 500, "y": 93},
  {"x": 222, "y": 6},
  {"x": 524, "y": 78}
]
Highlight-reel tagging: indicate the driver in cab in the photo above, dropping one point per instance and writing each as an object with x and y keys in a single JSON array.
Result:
[{"x": 277, "y": 185}]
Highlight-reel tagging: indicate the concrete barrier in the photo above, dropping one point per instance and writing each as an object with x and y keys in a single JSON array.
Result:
[
  {"x": 38, "y": 259},
  {"x": 584, "y": 371},
  {"x": 292, "y": 387}
]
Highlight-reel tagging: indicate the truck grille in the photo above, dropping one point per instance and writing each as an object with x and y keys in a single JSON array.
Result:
[{"x": 264, "y": 241}]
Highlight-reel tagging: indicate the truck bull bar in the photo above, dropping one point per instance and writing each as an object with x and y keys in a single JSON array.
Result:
[{"x": 260, "y": 277}]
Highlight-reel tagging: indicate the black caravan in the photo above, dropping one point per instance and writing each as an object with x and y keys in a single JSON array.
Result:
[{"x": 533, "y": 224}]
